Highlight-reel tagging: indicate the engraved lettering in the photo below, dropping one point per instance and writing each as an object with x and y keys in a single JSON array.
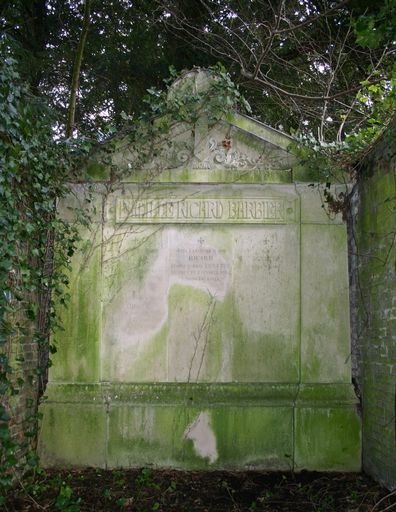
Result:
[
  {"x": 253, "y": 210},
  {"x": 182, "y": 210},
  {"x": 201, "y": 264}
]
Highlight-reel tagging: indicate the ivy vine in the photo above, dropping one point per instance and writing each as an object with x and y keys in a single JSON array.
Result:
[{"x": 34, "y": 171}]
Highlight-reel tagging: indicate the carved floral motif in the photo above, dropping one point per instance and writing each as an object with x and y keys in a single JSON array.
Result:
[
  {"x": 216, "y": 154},
  {"x": 229, "y": 158}
]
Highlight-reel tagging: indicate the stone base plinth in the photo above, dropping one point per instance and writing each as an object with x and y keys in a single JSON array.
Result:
[{"x": 202, "y": 426}]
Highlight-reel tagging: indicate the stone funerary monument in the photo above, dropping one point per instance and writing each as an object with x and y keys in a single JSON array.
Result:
[{"x": 209, "y": 321}]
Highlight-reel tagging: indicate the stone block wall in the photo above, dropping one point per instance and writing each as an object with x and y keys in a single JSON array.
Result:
[{"x": 375, "y": 236}]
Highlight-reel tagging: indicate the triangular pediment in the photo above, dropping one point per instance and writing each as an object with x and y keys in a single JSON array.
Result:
[{"x": 235, "y": 142}]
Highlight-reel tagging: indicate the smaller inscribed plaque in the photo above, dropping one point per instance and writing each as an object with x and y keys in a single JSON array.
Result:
[{"x": 235, "y": 210}]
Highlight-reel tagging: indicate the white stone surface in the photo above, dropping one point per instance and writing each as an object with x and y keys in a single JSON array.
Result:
[{"x": 201, "y": 434}]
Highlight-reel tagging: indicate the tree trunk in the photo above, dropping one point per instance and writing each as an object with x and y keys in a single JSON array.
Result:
[{"x": 71, "y": 114}]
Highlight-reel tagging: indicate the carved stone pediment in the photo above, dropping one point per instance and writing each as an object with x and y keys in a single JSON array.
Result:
[{"x": 237, "y": 143}]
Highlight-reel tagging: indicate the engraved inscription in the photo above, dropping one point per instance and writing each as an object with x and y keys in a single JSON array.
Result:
[
  {"x": 200, "y": 264},
  {"x": 225, "y": 210}
]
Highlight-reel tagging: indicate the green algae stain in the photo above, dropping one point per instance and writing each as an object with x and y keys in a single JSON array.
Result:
[
  {"x": 184, "y": 176},
  {"x": 254, "y": 437},
  {"x": 226, "y": 350},
  {"x": 158, "y": 354},
  {"x": 377, "y": 217},
  {"x": 152, "y": 435},
  {"x": 327, "y": 439},
  {"x": 252, "y": 356},
  {"x": 152, "y": 357},
  {"x": 72, "y": 434},
  {"x": 77, "y": 357}
]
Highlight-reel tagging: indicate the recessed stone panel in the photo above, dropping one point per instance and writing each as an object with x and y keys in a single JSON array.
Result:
[
  {"x": 203, "y": 301},
  {"x": 325, "y": 345}
]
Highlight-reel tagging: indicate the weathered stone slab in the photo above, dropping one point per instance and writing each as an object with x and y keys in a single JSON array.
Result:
[
  {"x": 78, "y": 343},
  {"x": 327, "y": 439},
  {"x": 73, "y": 435},
  {"x": 203, "y": 303},
  {"x": 325, "y": 344}
]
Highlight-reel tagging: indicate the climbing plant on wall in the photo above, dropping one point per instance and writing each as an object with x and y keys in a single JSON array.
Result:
[{"x": 34, "y": 169}]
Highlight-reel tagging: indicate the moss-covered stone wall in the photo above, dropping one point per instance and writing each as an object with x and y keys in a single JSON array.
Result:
[
  {"x": 375, "y": 234},
  {"x": 208, "y": 326}
]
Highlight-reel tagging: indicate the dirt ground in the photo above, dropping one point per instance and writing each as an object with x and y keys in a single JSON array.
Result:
[{"x": 146, "y": 490}]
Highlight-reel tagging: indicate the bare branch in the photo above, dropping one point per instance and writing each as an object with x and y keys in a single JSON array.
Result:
[{"x": 303, "y": 57}]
